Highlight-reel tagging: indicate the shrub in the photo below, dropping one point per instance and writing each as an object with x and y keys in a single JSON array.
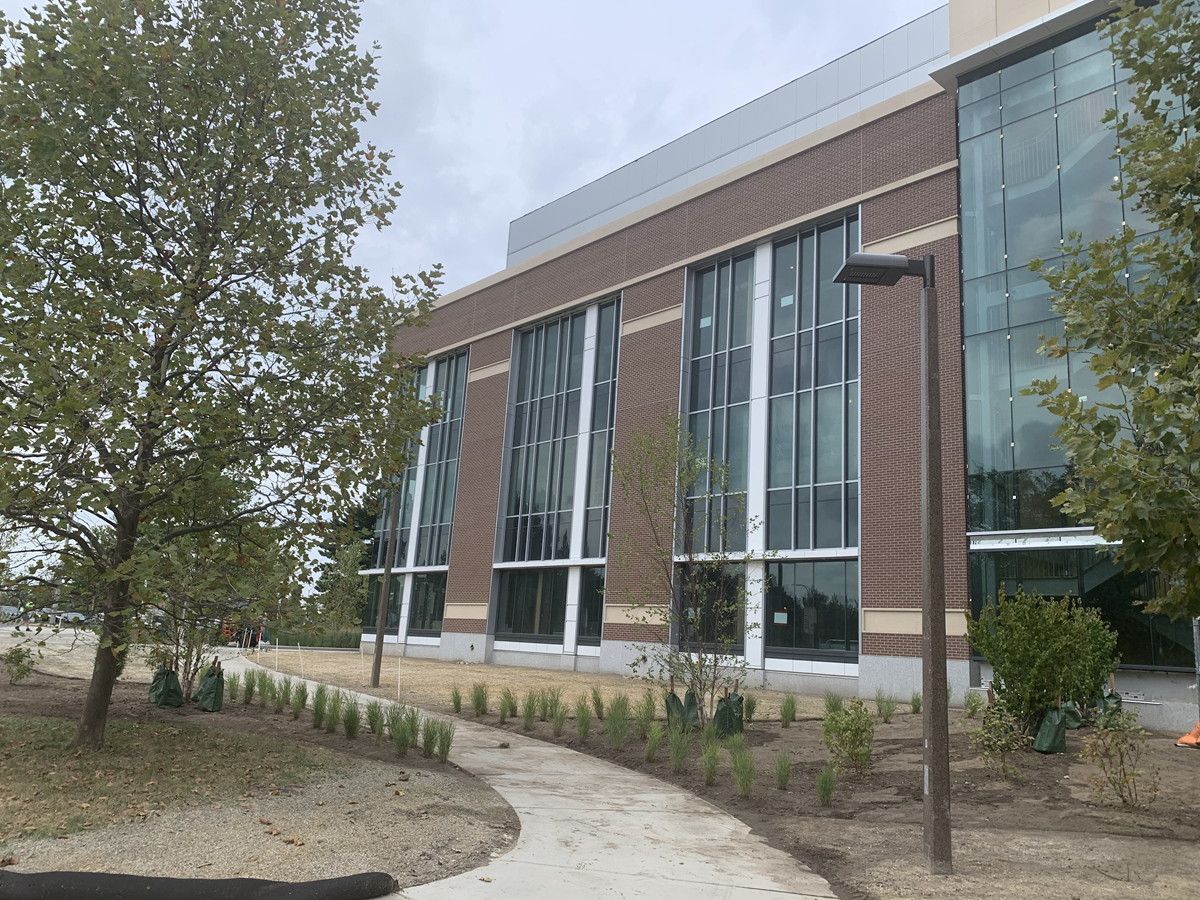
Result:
[
  {"x": 972, "y": 704},
  {"x": 334, "y": 713},
  {"x": 787, "y": 712},
  {"x": 654, "y": 736},
  {"x": 710, "y": 760},
  {"x": 543, "y": 706},
  {"x": 558, "y": 719},
  {"x": 618, "y": 720},
  {"x": 18, "y": 662},
  {"x": 456, "y": 699},
  {"x": 583, "y": 718},
  {"x": 849, "y": 735},
  {"x": 999, "y": 736},
  {"x": 248, "y": 687},
  {"x": 1043, "y": 651},
  {"x": 429, "y": 737},
  {"x": 826, "y": 781},
  {"x": 783, "y": 770},
  {"x": 479, "y": 699},
  {"x": 233, "y": 681},
  {"x": 886, "y": 705},
  {"x": 283, "y": 696},
  {"x": 266, "y": 688},
  {"x": 834, "y": 703},
  {"x": 644, "y": 713},
  {"x": 351, "y": 719},
  {"x": 529, "y": 710},
  {"x": 320, "y": 705},
  {"x": 1117, "y": 748},
  {"x": 299, "y": 698},
  {"x": 749, "y": 705},
  {"x": 598, "y": 704},
  {"x": 679, "y": 740},
  {"x": 375, "y": 718},
  {"x": 742, "y": 764},
  {"x": 445, "y": 737},
  {"x": 914, "y": 702}
]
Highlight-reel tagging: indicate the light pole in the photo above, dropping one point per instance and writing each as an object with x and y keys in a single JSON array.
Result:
[{"x": 887, "y": 269}]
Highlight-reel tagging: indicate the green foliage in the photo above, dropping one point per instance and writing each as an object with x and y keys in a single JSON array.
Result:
[
  {"x": 479, "y": 699},
  {"x": 654, "y": 736},
  {"x": 999, "y": 736},
  {"x": 679, "y": 741},
  {"x": 323, "y": 638},
  {"x": 598, "y": 704},
  {"x": 708, "y": 735},
  {"x": 834, "y": 703},
  {"x": 456, "y": 699},
  {"x": 783, "y": 770},
  {"x": 266, "y": 688},
  {"x": 1117, "y": 749},
  {"x": 18, "y": 663},
  {"x": 375, "y": 718},
  {"x": 233, "y": 682},
  {"x": 914, "y": 702},
  {"x": 351, "y": 718},
  {"x": 333, "y": 714},
  {"x": 973, "y": 704},
  {"x": 320, "y": 705},
  {"x": 735, "y": 743},
  {"x": 300, "y": 699},
  {"x": 583, "y": 718},
  {"x": 885, "y": 705},
  {"x": 742, "y": 764},
  {"x": 644, "y": 713},
  {"x": 445, "y": 737},
  {"x": 508, "y": 705},
  {"x": 278, "y": 699},
  {"x": 529, "y": 706},
  {"x": 249, "y": 687},
  {"x": 553, "y": 698},
  {"x": 1043, "y": 651},
  {"x": 1132, "y": 436},
  {"x": 430, "y": 732},
  {"x": 849, "y": 734},
  {"x": 187, "y": 338},
  {"x": 558, "y": 719},
  {"x": 826, "y": 783},
  {"x": 710, "y": 761},
  {"x": 543, "y": 705},
  {"x": 285, "y": 689},
  {"x": 342, "y": 592},
  {"x": 400, "y": 728},
  {"x": 618, "y": 720},
  {"x": 787, "y": 711},
  {"x": 749, "y": 705}
]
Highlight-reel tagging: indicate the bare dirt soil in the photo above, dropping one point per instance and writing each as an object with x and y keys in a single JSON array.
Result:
[
  {"x": 1040, "y": 836},
  {"x": 363, "y": 810}
]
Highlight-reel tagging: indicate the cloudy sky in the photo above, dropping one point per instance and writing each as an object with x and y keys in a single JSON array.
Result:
[{"x": 496, "y": 108}]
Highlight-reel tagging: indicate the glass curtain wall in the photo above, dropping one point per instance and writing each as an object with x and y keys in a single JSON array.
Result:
[
  {"x": 604, "y": 409},
  {"x": 443, "y": 442},
  {"x": 812, "y": 609},
  {"x": 371, "y": 613},
  {"x": 533, "y": 604},
  {"x": 406, "y": 491},
  {"x": 1036, "y": 164}
]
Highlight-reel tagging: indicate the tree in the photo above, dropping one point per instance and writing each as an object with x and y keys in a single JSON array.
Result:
[
  {"x": 344, "y": 592},
  {"x": 694, "y": 579},
  {"x": 1132, "y": 305},
  {"x": 181, "y": 185}
]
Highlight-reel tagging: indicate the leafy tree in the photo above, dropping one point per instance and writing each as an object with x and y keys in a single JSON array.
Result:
[
  {"x": 694, "y": 587},
  {"x": 181, "y": 184},
  {"x": 1131, "y": 304},
  {"x": 343, "y": 594}
]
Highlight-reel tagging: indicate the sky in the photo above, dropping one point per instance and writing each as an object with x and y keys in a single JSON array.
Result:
[{"x": 493, "y": 109}]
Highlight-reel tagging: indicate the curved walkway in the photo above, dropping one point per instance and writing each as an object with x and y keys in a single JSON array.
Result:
[{"x": 590, "y": 828}]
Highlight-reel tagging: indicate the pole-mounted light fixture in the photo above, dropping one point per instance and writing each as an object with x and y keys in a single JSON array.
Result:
[{"x": 886, "y": 269}]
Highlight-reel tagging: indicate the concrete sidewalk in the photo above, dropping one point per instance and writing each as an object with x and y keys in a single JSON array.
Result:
[{"x": 593, "y": 829}]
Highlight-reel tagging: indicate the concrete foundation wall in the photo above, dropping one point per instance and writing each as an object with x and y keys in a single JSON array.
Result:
[{"x": 901, "y": 676}]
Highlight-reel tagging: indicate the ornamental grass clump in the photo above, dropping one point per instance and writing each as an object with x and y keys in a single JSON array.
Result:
[
  {"x": 351, "y": 719},
  {"x": 849, "y": 735},
  {"x": 456, "y": 699},
  {"x": 886, "y": 705},
  {"x": 283, "y": 693},
  {"x": 749, "y": 705},
  {"x": 508, "y": 705},
  {"x": 783, "y": 770},
  {"x": 787, "y": 711},
  {"x": 679, "y": 741},
  {"x": 320, "y": 705},
  {"x": 266, "y": 688},
  {"x": 710, "y": 761},
  {"x": 654, "y": 736},
  {"x": 299, "y": 698},
  {"x": 708, "y": 734},
  {"x": 445, "y": 737},
  {"x": 401, "y": 729},
  {"x": 333, "y": 715},
  {"x": 479, "y": 699},
  {"x": 583, "y": 718},
  {"x": 644, "y": 713},
  {"x": 554, "y": 701},
  {"x": 736, "y": 743},
  {"x": 529, "y": 707},
  {"x": 598, "y": 704},
  {"x": 233, "y": 681},
  {"x": 430, "y": 731},
  {"x": 742, "y": 764},
  {"x": 834, "y": 703},
  {"x": 618, "y": 720},
  {"x": 375, "y": 718},
  {"x": 826, "y": 783},
  {"x": 914, "y": 702},
  {"x": 249, "y": 687},
  {"x": 412, "y": 721},
  {"x": 543, "y": 698},
  {"x": 558, "y": 719}
]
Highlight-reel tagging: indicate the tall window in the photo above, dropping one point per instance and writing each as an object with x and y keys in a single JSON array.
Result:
[
  {"x": 442, "y": 444},
  {"x": 604, "y": 406},
  {"x": 427, "y": 604},
  {"x": 371, "y": 613},
  {"x": 812, "y": 452},
  {"x": 717, "y": 395},
  {"x": 812, "y": 609},
  {"x": 533, "y": 604}
]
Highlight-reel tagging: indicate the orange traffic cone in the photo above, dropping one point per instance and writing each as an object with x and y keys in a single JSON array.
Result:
[{"x": 1191, "y": 739}]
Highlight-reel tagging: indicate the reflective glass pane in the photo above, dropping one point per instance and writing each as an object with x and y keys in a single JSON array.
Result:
[
  {"x": 743, "y": 295},
  {"x": 989, "y": 411},
  {"x": 808, "y": 249},
  {"x": 783, "y": 292},
  {"x": 974, "y": 91},
  {"x": 1025, "y": 69},
  {"x": 982, "y": 205},
  {"x": 804, "y": 438},
  {"x": 833, "y": 253},
  {"x": 1030, "y": 298},
  {"x": 978, "y": 117},
  {"x": 803, "y": 536},
  {"x": 1092, "y": 74},
  {"x": 738, "y": 450},
  {"x": 779, "y": 448},
  {"x": 852, "y": 514},
  {"x": 1033, "y": 228},
  {"x": 1089, "y": 174},
  {"x": 829, "y": 434},
  {"x": 1080, "y": 47},
  {"x": 852, "y": 430},
  {"x": 1027, "y": 98},
  {"x": 779, "y": 520},
  {"x": 804, "y": 362},
  {"x": 739, "y": 375},
  {"x": 1033, "y": 426},
  {"x": 782, "y": 358},
  {"x": 828, "y": 515},
  {"x": 852, "y": 349},
  {"x": 985, "y": 307},
  {"x": 829, "y": 354},
  {"x": 704, "y": 293}
]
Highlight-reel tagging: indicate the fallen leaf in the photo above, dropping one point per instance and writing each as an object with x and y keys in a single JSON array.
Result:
[
  {"x": 399, "y": 793},
  {"x": 352, "y": 802},
  {"x": 483, "y": 878},
  {"x": 385, "y": 784},
  {"x": 320, "y": 803},
  {"x": 8, "y": 861},
  {"x": 85, "y": 806},
  {"x": 272, "y": 831},
  {"x": 264, "y": 821}
]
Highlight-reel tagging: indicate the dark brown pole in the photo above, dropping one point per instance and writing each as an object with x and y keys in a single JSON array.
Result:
[
  {"x": 933, "y": 595},
  {"x": 385, "y": 590}
]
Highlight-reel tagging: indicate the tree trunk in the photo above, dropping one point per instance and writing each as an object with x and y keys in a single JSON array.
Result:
[{"x": 90, "y": 734}]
